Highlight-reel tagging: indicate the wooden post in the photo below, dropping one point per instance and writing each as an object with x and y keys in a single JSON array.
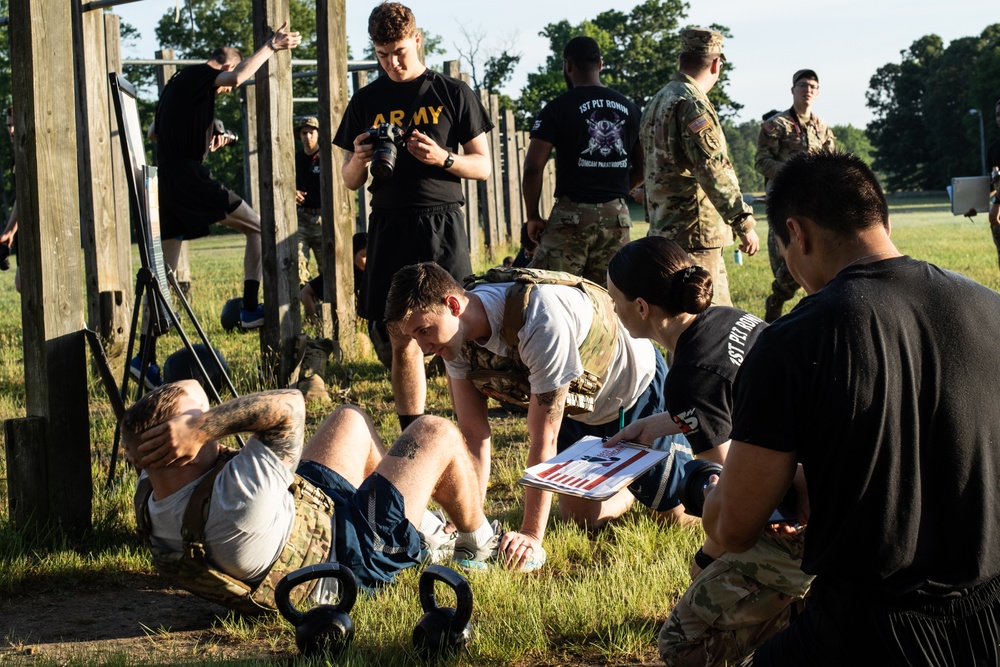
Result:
[
  {"x": 338, "y": 213},
  {"x": 363, "y": 196},
  {"x": 251, "y": 156},
  {"x": 276, "y": 206},
  {"x": 496, "y": 174},
  {"x": 470, "y": 189},
  {"x": 122, "y": 212},
  {"x": 52, "y": 305},
  {"x": 163, "y": 75},
  {"x": 513, "y": 200},
  {"x": 487, "y": 195},
  {"x": 96, "y": 183}
]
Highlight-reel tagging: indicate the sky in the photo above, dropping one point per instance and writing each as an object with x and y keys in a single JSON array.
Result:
[{"x": 844, "y": 41}]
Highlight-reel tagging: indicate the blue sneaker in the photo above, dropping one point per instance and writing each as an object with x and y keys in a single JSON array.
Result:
[
  {"x": 252, "y": 319},
  {"x": 153, "y": 379}
]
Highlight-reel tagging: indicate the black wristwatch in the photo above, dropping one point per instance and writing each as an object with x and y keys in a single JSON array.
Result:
[{"x": 448, "y": 161}]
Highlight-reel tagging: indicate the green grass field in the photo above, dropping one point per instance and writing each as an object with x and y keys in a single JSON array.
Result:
[{"x": 600, "y": 599}]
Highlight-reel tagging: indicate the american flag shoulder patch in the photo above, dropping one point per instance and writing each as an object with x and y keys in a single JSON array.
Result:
[{"x": 698, "y": 124}]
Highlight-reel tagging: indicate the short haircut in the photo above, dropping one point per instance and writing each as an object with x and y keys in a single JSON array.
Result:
[
  {"x": 697, "y": 62},
  {"x": 151, "y": 410},
  {"x": 834, "y": 189},
  {"x": 583, "y": 52},
  {"x": 226, "y": 55},
  {"x": 391, "y": 22},
  {"x": 661, "y": 272},
  {"x": 415, "y": 287}
]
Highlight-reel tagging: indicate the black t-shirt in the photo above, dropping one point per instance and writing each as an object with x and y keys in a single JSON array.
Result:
[
  {"x": 884, "y": 385},
  {"x": 307, "y": 178},
  {"x": 993, "y": 155},
  {"x": 593, "y": 130},
  {"x": 449, "y": 112},
  {"x": 699, "y": 386},
  {"x": 185, "y": 115}
]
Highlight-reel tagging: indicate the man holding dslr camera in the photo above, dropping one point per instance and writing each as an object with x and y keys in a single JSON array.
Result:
[{"x": 423, "y": 117}]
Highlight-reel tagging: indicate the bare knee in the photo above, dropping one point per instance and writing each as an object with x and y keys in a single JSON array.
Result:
[{"x": 437, "y": 433}]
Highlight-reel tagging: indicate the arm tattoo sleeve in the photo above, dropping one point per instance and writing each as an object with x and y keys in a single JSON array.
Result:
[
  {"x": 276, "y": 418},
  {"x": 553, "y": 402}
]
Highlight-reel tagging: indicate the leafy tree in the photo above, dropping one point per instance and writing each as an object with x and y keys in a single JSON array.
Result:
[
  {"x": 742, "y": 142},
  {"x": 854, "y": 140},
  {"x": 639, "y": 49}
]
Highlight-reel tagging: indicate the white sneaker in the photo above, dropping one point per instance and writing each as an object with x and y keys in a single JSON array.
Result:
[{"x": 437, "y": 546}]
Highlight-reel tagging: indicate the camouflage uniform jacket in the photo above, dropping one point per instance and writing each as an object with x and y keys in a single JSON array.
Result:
[
  {"x": 691, "y": 186},
  {"x": 784, "y": 135}
]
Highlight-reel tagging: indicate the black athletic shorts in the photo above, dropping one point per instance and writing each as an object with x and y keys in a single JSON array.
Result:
[
  {"x": 399, "y": 238},
  {"x": 191, "y": 200}
]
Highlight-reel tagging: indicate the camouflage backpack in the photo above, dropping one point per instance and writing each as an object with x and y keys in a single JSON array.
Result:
[
  {"x": 506, "y": 378},
  {"x": 310, "y": 542}
]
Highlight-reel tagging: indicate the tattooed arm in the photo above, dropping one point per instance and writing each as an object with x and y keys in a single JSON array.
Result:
[
  {"x": 545, "y": 412},
  {"x": 275, "y": 418}
]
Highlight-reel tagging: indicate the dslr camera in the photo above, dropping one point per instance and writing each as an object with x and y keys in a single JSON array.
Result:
[
  {"x": 220, "y": 131},
  {"x": 388, "y": 139}
]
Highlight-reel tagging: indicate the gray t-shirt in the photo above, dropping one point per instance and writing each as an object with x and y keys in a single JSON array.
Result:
[{"x": 556, "y": 322}]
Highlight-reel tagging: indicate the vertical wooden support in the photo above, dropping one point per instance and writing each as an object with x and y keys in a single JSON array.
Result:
[
  {"x": 513, "y": 202},
  {"x": 122, "y": 213},
  {"x": 360, "y": 80},
  {"x": 338, "y": 213},
  {"x": 96, "y": 182},
  {"x": 276, "y": 206},
  {"x": 487, "y": 197},
  {"x": 251, "y": 156},
  {"x": 473, "y": 220},
  {"x": 496, "y": 174},
  {"x": 48, "y": 200}
]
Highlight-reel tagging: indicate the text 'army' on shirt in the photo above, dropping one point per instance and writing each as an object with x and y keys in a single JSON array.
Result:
[{"x": 422, "y": 116}]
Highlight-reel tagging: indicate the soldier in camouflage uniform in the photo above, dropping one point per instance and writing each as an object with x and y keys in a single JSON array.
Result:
[
  {"x": 595, "y": 133},
  {"x": 692, "y": 195},
  {"x": 307, "y": 198},
  {"x": 783, "y": 136},
  {"x": 379, "y": 497}
]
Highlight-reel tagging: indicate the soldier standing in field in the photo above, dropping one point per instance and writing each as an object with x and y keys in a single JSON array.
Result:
[
  {"x": 692, "y": 194},
  {"x": 783, "y": 136}
]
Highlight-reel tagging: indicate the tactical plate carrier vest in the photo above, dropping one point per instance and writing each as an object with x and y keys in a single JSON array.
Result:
[
  {"x": 506, "y": 378},
  {"x": 310, "y": 542}
]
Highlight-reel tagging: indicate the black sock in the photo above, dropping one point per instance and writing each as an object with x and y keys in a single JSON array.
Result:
[
  {"x": 406, "y": 420},
  {"x": 250, "y": 291}
]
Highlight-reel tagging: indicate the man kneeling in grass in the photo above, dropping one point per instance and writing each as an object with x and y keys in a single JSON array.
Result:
[{"x": 377, "y": 498}]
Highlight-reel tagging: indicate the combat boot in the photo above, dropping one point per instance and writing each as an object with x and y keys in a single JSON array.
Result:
[
  {"x": 772, "y": 308},
  {"x": 312, "y": 367}
]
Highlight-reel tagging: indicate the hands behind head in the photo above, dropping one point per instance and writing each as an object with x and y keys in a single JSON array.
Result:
[{"x": 174, "y": 442}]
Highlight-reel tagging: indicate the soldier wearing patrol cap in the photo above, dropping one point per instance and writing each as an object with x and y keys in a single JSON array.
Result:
[
  {"x": 783, "y": 136},
  {"x": 307, "y": 197},
  {"x": 692, "y": 194}
]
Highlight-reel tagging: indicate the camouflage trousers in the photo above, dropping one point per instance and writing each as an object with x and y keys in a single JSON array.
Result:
[
  {"x": 735, "y": 604},
  {"x": 784, "y": 284},
  {"x": 995, "y": 231},
  {"x": 310, "y": 236},
  {"x": 711, "y": 260},
  {"x": 582, "y": 238}
]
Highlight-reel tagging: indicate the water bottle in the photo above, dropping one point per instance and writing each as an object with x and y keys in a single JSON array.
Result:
[{"x": 738, "y": 257}]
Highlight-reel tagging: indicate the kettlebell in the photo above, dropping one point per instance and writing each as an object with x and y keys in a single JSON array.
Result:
[
  {"x": 324, "y": 627},
  {"x": 443, "y": 630}
]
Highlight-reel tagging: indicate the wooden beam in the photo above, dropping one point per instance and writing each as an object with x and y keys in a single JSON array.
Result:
[
  {"x": 488, "y": 197},
  {"x": 513, "y": 200},
  {"x": 337, "y": 200},
  {"x": 122, "y": 212},
  {"x": 48, "y": 200},
  {"x": 279, "y": 224},
  {"x": 360, "y": 80}
]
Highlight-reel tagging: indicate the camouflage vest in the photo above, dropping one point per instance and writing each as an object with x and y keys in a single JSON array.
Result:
[
  {"x": 310, "y": 542},
  {"x": 506, "y": 378}
]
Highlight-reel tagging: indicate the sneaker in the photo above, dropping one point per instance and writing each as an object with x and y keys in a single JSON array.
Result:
[
  {"x": 252, "y": 319},
  {"x": 153, "y": 379},
  {"x": 481, "y": 558},
  {"x": 438, "y": 546}
]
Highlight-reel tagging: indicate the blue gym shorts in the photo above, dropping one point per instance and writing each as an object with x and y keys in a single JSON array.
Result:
[
  {"x": 374, "y": 538},
  {"x": 657, "y": 487}
]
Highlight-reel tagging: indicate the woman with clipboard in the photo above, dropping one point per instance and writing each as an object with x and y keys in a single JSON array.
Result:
[{"x": 735, "y": 600}]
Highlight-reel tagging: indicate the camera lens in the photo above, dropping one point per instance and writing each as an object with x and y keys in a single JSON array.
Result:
[
  {"x": 691, "y": 492},
  {"x": 383, "y": 159}
]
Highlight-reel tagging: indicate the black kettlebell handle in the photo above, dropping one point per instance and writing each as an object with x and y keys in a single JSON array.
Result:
[
  {"x": 343, "y": 574},
  {"x": 455, "y": 581}
]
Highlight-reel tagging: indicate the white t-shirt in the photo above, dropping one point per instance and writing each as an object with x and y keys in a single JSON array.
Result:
[
  {"x": 249, "y": 518},
  {"x": 556, "y": 322}
]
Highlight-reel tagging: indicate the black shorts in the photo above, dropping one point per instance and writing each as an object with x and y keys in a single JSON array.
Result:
[
  {"x": 399, "y": 238},
  {"x": 191, "y": 200}
]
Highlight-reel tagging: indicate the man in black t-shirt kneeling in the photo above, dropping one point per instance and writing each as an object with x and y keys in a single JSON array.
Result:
[{"x": 416, "y": 211}]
